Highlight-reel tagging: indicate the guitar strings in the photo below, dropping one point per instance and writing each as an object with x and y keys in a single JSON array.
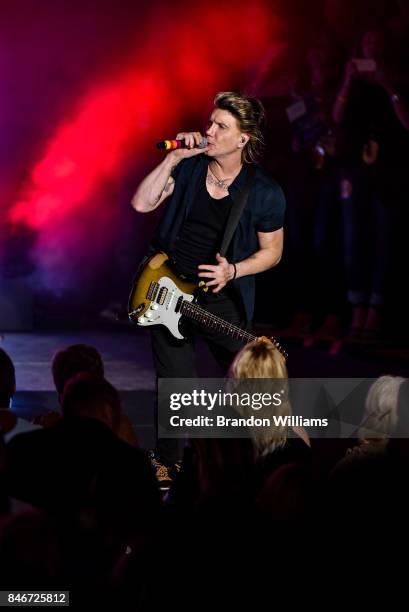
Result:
[{"x": 213, "y": 320}]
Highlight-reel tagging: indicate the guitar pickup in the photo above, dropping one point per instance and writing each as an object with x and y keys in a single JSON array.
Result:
[
  {"x": 152, "y": 291},
  {"x": 162, "y": 295},
  {"x": 170, "y": 300},
  {"x": 179, "y": 304}
]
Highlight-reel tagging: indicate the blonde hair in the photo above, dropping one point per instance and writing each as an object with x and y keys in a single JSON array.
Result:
[
  {"x": 259, "y": 359},
  {"x": 250, "y": 115},
  {"x": 381, "y": 410},
  {"x": 262, "y": 359}
]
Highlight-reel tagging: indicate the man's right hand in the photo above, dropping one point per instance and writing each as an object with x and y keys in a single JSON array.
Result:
[
  {"x": 192, "y": 140},
  {"x": 159, "y": 183}
]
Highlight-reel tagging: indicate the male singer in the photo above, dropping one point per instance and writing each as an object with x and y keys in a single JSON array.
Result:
[{"x": 200, "y": 186}]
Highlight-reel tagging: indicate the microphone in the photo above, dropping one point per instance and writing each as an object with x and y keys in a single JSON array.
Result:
[{"x": 169, "y": 145}]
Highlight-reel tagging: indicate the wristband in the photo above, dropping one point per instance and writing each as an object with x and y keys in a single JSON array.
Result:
[{"x": 235, "y": 272}]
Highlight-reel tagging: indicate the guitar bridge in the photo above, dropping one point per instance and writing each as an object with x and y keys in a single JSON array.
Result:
[{"x": 134, "y": 313}]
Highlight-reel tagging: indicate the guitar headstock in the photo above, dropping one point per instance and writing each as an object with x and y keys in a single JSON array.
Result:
[
  {"x": 276, "y": 344},
  {"x": 279, "y": 347}
]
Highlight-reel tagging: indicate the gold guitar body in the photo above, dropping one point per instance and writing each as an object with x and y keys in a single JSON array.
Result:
[{"x": 157, "y": 294}]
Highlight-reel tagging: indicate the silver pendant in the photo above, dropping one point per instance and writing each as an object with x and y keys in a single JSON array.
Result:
[{"x": 213, "y": 181}]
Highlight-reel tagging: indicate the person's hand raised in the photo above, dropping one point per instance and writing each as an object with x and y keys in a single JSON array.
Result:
[{"x": 192, "y": 141}]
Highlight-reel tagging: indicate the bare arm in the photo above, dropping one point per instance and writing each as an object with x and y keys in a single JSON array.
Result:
[
  {"x": 400, "y": 108},
  {"x": 338, "y": 111},
  {"x": 155, "y": 187},
  {"x": 268, "y": 255},
  {"x": 159, "y": 184}
]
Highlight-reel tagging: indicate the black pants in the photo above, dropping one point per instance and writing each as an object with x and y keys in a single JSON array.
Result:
[{"x": 176, "y": 358}]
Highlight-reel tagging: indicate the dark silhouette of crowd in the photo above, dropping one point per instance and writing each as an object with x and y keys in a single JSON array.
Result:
[
  {"x": 81, "y": 508},
  {"x": 339, "y": 143}
]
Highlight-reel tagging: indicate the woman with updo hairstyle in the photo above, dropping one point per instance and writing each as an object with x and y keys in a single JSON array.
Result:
[
  {"x": 273, "y": 445},
  {"x": 232, "y": 470},
  {"x": 259, "y": 359},
  {"x": 282, "y": 454}
]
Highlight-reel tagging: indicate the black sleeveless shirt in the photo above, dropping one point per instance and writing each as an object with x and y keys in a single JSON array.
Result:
[{"x": 202, "y": 233}]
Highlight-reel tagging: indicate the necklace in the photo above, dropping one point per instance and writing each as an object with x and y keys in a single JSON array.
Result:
[{"x": 220, "y": 183}]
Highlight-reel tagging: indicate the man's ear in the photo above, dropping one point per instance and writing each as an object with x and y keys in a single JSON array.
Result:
[{"x": 244, "y": 140}]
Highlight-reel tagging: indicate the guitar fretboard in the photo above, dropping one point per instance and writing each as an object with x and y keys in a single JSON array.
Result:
[{"x": 199, "y": 314}]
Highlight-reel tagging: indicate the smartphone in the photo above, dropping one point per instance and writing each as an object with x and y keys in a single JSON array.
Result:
[{"x": 365, "y": 65}]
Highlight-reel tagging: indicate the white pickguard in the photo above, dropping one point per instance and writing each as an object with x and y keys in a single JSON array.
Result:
[{"x": 164, "y": 314}]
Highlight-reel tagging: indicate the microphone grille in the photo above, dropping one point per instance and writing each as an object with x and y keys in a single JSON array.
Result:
[{"x": 202, "y": 144}]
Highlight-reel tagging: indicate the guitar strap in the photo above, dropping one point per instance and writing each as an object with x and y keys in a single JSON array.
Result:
[{"x": 236, "y": 210}]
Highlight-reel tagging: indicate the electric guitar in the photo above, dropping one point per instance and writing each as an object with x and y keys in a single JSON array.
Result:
[{"x": 160, "y": 297}]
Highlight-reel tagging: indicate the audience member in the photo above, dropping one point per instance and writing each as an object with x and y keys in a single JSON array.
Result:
[
  {"x": 79, "y": 467},
  {"x": 374, "y": 119},
  {"x": 313, "y": 216},
  {"x": 10, "y": 423},
  {"x": 273, "y": 446},
  {"x": 380, "y": 418},
  {"x": 66, "y": 363},
  {"x": 73, "y": 360},
  {"x": 368, "y": 483}
]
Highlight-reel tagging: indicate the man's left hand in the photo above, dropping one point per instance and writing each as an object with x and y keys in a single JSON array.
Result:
[{"x": 220, "y": 274}]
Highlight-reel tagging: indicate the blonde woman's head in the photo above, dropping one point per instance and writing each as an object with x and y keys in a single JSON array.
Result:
[
  {"x": 262, "y": 360},
  {"x": 259, "y": 359}
]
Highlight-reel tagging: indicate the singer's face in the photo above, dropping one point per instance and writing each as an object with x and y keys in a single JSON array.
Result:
[{"x": 223, "y": 134}]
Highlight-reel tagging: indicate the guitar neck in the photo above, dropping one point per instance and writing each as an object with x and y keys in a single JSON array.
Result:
[{"x": 202, "y": 316}]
